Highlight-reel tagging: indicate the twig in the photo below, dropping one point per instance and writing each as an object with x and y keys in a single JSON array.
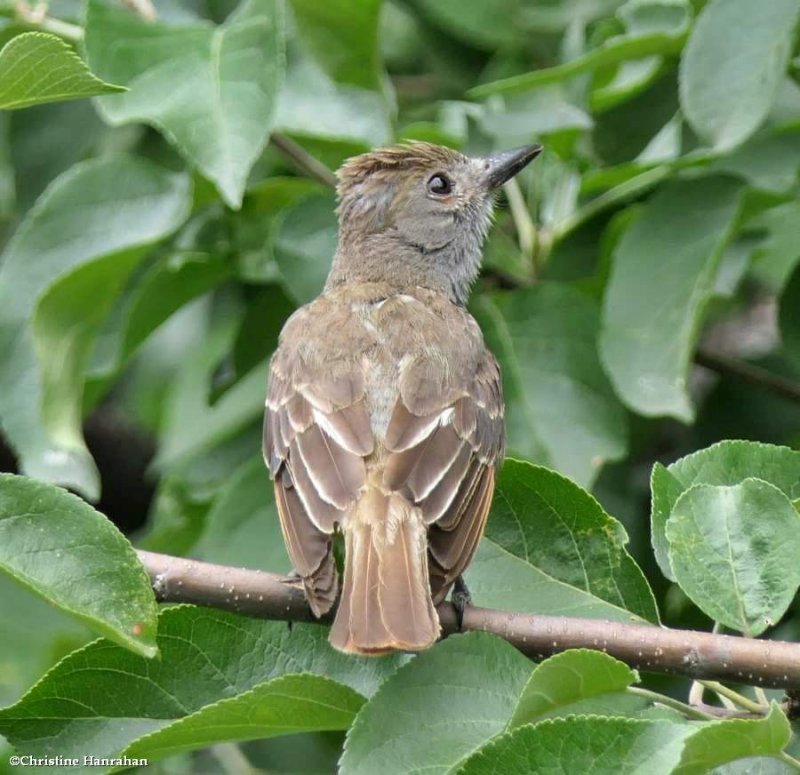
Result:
[
  {"x": 748, "y": 372},
  {"x": 523, "y": 223},
  {"x": 655, "y": 649},
  {"x": 312, "y": 167},
  {"x": 232, "y": 760},
  {"x": 35, "y": 17},
  {"x": 143, "y": 8}
]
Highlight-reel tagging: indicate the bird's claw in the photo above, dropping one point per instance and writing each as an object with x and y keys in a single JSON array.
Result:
[
  {"x": 293, "y": 579},
  {"x": 460, "y": 598}
]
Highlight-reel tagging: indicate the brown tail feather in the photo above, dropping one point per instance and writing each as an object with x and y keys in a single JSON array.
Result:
[{"x": 386, "y": 600}]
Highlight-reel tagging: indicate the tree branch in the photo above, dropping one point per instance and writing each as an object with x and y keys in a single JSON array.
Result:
[
  {"x": 749, "y": 373},
  {"x": 303, "y": 160},
  {"x": 650, "y": 648}
]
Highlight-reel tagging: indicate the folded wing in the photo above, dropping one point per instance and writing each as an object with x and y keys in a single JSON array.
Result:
[
  {"x": 316, "y": 436},
  {"x": 443, "y": 456}
]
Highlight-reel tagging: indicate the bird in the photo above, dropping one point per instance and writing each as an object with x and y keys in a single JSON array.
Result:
[{"x": 384, "y": 409}]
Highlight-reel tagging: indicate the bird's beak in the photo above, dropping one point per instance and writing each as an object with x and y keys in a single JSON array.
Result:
[{"x": 502, "y": 166}]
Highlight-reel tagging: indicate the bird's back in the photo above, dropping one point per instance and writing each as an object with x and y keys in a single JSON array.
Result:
[{"x": 384, "y": 418}]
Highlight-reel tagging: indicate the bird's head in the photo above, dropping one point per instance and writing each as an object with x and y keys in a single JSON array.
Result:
[{"x": 418, "y": 214}]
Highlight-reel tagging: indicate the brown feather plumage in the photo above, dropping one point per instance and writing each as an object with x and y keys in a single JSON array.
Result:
[
  {"x": 421, "y": 471},
  {"x": 384, "y": 414}
]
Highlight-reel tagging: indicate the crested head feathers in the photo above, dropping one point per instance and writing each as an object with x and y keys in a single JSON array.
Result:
[{"x": 414, "y": 155}]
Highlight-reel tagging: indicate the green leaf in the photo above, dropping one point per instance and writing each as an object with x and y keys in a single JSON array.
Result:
[
  {"x": 732, "y": 66},
  {"x": 36, "y": 68},
  {"x": 725, "y": 741},
  {"x": 176, "y": 517},
  {"x": 629, "y": 80},
  {"x": 242, "y": 528},
  {"x": 313, "y": 105},
  {"x": 556, "y": 527},
  {"x": 583, "y": 744},
  {"x": 257, "y": 222},
  {"x": 725, "y": 463},
  {"x": 523, "y": 116},
  {"x": 665, "y": 490},
  {"x": 257, "y": 336},
  {"x": 47, "y": 140},
  {"x": 192, "y": 425},
  {"x": 628, "y": 131},
  {"x": 304, "y": 246},
  {"x": 778, "y": 255},
  {"x": 500, "y": 579},
  {"x": 59, "y": 547},
  {"x": 480, "y": 24},
  {"x": 35, "y": 636},
  {"x": 104, "y": 699},
  {"x": 84, "y": 234},
  {"x": 640, "y": 17},
  {"x": 66, "y": 321},
  {"x": 8, "y": 188},
  {"x": 343, "y": 35},
  {"x": 733, "y": 550},
  {"x": 756, "y": 765},
  {"x": 575, "y": 682},
  {"x": 560, "y": 408},
  {"x": 285, "y": 705},
  {"x": 211, "y": 90},
  {"x": 662, "y": 276},
  {"x": 654, "y": 28},
  {"x": 438, "y": 708},
  {"x": 161, "y": 291},
  {"x": 769, "y": 162}
]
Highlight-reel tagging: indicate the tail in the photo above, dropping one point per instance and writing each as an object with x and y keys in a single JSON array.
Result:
[{"x": 386, "y": 599}]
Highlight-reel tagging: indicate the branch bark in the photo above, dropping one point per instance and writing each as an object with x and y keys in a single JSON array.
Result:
[
  {"x": 650, "y": 648},
  {"x": 749, "y": 373}
]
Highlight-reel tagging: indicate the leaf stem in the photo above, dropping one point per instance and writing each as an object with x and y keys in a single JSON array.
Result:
[
  {"x": 734, "y": 696},
  {"x": 696, "y": 693},
  {"x": 687, "y": 710},
  {"x": 761, "y": 696},
  {"x": 790, "y": 760}
]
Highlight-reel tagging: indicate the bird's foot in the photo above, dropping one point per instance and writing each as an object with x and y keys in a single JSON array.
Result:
[
  {"x": 293, "y": 579},
  {"x": 460, "y": 598}
]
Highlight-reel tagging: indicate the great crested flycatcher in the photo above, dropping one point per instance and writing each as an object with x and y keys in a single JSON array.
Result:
[{"x": 384, "y": 414}]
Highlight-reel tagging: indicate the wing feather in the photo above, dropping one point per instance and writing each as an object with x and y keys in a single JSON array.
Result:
[
  {"x": 316, "y": 435},
  {"x": 443, "y": 458},
  {"x": 433, "y": 424},
  {"x": 451, "y": 552}
]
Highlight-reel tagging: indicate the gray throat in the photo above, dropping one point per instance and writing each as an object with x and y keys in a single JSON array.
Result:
[{"x": 391, "y": 258}]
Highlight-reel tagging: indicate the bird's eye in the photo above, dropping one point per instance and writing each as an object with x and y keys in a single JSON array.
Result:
[{"x": 440, "y": 185}]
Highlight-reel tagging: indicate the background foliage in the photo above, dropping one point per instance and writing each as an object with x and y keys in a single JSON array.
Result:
[{"x": 153, "y": 242}]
